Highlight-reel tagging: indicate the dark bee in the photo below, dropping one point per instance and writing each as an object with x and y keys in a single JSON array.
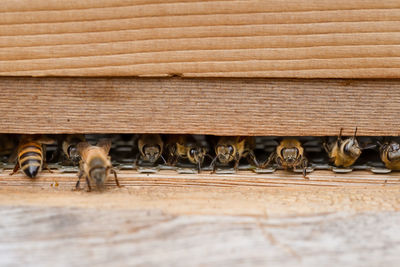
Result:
[
  {"x": 95, "y": 164},
  {"x": 390, "y": 155},
  {"x": 150, "y": 147},
  {"x": 185, "y": 147},
  {"x": 31, "y": 154},
  {"x": 69, "y": 147},
  {"x": 233, "y": 148},
  {"x": 343, "y": 153},
  {"x": 289, "y": 154}
]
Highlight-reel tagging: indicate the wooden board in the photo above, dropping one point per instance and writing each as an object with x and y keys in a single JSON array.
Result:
[
  {"x": 295, "y": 38},
  {"x": 275, "y": 107},
  {"x": 245, "y": 193},
  {"x": 201, "y": 220}
]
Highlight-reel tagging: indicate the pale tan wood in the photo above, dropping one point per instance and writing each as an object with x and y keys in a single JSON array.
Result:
[
  {"x": 61, "y": 236},
  {"x": 274, "y": 107},
  {"x": 340, "y": 39},
  {"x": 245, "y": 193}
]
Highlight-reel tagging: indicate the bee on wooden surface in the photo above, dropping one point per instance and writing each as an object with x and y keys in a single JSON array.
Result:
[
  {"x": 233, "y": 148},
  {"x": 95, "y": 164},
  {"x": 150, "y": 148},
  {"x": 185, "y": 147},
  {"x": 69, "y": 147},
  {"x": 31, "y": 154},
  {"x": 289, "y": 154},
  {"x": 343, "y": 153},
  {"x": 390, "y": 155}
]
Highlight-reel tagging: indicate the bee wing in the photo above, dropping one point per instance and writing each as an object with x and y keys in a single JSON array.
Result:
[
  {"x": 82, "y": 148},
  {"x": 46, "y": 140},
  {"x": 105, "y": 144}
]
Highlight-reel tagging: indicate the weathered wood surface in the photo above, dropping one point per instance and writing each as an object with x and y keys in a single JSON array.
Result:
[
  {"x": 275, "y": 107},
  {"x": 246, "y": 193},
  {"x": 296, "y": 38},
  {"x": 196, "y": 220},
  {"x": 38, "y": 236}
]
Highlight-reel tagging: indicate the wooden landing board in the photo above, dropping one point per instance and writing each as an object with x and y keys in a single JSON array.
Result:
[
  {"x": 245, "y": 193},
  {"x": 274, "y": 107},
  {"x": 200, "y": 220},
  {"x": 295, "y": 38}
]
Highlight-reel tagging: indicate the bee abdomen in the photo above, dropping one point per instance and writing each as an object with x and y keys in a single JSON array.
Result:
[{"x": 30, "y": 160}]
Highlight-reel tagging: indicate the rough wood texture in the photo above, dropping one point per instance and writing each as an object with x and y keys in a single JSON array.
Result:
[
  {"x": 45, "y": 236},
  {"x": 246, "y": 193},
  {"x": 296, "y": 38},
  {"x": 202, "y": 220},
  {"x": 281, "y": 107}
]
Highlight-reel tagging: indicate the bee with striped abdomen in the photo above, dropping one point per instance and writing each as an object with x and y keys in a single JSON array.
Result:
[
  {"x": 95, "y": 164},
  {"x": 289, "y": 154},
  {"x": 233, "y": 148},
  {"x": 343, "y": 153},
  {"x": 150, "y": 148},
  {"x": 31, "y": 154},
  {"x": 185, "y": 147},
  {"x": 390, "y": 155}
]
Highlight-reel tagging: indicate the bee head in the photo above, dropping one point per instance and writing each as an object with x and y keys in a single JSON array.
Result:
[
  {"x": 73, "y": 153},
  {"x": 351, "y": 147},
  {"x": 196, "y": 154},
  {"x": 98, "y": 172},
  {"x": 290, "y": 155},
  {"x": 151, "y": 153},
  {"x": 393, "y": 150},
  {"x": 225, "y": 153}
]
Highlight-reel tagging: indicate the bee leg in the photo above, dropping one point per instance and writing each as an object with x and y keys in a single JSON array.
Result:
[
  {"x": 251, "y": 158},
  {"x": 237, "y": 159},
  {"x": 115, "y": 177},
  {"x": 137, "y": 160},
  {"x": 161, "y": 156},
  {"x": 47, "y": 167},
  {"x": 268, "y": 162},
  {"x": 16, "y": 168},
  {"x": 304, "y": 164},
  {"x": 88, "y": 184},
  {"x": 80, "y": 174},
  {"x": 213, "y": 165}
]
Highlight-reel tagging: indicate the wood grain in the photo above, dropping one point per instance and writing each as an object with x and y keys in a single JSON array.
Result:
[
  {"x": 307, "y": 39},
  {"x": 62, "y": 236},
  {"x": 274, "y": 107},
  {"x": 245, "y": 193}
]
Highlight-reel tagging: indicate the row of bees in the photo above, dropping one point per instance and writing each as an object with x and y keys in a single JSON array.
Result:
[{"x": 224, "y": 154}]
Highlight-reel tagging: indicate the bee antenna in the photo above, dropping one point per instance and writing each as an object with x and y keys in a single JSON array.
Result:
[
  {"x": 340, "y": 134},
  {"x": 355, "y": 133}
]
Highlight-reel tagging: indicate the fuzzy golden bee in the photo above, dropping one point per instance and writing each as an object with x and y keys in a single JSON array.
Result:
[
  {"x": 343, "y": 153},
  {"x": 390, "y": 155},
  {"x": 31, "y": 154},
  {"x": 233, "y": 148},
  {"x": 185, "y": 147},
  {"x": 150, "y": 148},
  {"x": 95, "y": 164},
  {"x": 289, "y": 154}
]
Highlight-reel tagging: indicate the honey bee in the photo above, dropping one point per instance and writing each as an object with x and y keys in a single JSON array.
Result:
[
  {"x": 233, "y": 148},
  {"x": 390, "y": 155},
  {"x": 31, "y": 154},
  {"x": 185, "y": 147},
  {"x": 95, "y": 164},
  {"x": 150, "y": 148},
  {"x": 69, "y": 147},
  {"x": 343, "y": 153},
  {"x": 289, "y": 154}
]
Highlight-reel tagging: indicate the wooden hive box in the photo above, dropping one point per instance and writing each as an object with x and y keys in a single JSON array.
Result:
[{"x": 273, "y": 68}]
